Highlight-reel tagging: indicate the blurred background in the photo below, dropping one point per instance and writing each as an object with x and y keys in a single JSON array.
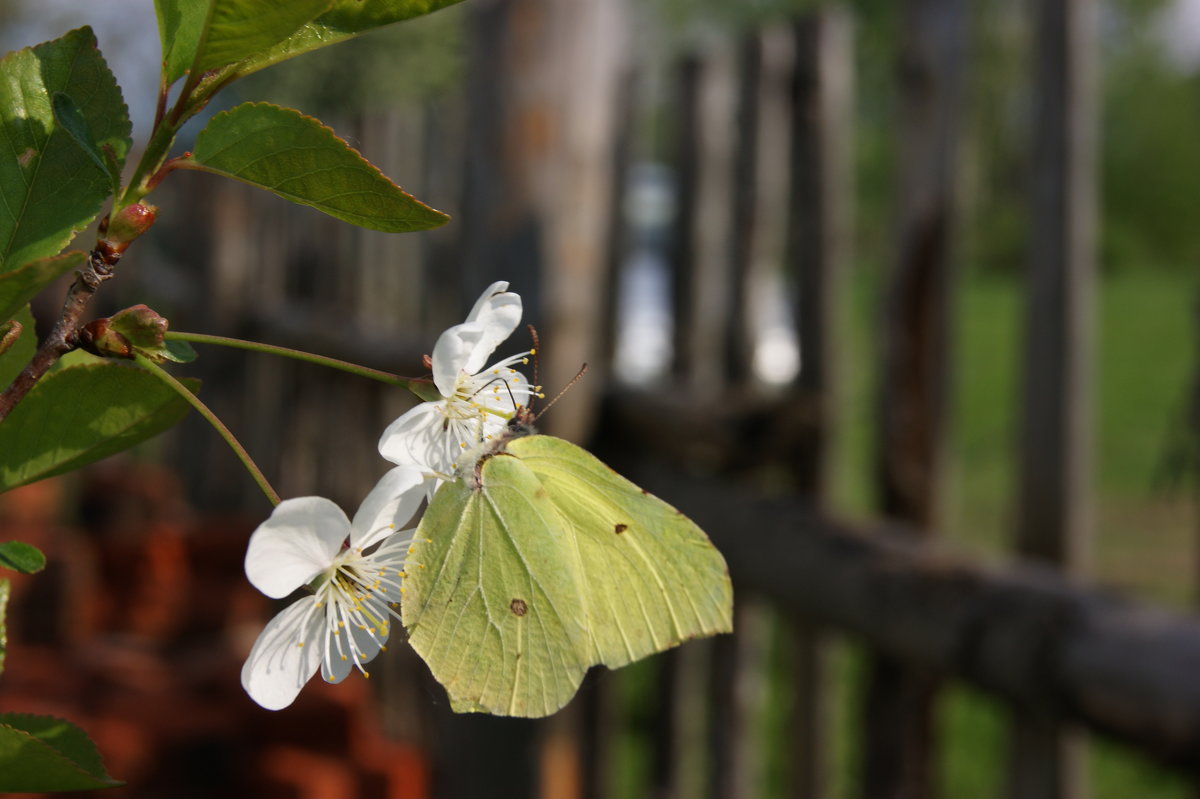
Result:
[{"x": 928, "y": 266}]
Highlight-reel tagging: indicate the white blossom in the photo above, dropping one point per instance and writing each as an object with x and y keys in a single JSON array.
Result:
[
  {"x": 354, "y": 570},
  {"x": 476, "y": 402}
]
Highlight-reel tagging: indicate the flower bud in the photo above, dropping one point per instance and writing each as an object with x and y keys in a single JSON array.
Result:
[
  {"x": 99, "y": 338},
  {"x": 130, "y": 223}
]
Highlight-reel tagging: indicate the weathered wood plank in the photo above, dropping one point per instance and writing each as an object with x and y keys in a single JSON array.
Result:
[
  {"x": 818, "y": 251},
  {"x": 1033, "y": 637},
  {"x": 1053, "y": 518},
  {"x": 898, "y": 750}
]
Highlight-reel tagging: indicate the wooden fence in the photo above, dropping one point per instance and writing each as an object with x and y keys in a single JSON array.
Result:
[{"x": 533, "y": 161}]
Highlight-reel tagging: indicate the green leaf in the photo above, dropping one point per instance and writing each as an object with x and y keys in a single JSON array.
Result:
[
  {"x": 180, "y": 23},
  {"x": 79, "y": 414},
  {"x": 70, "y": 118},
  {"x": 42, "y": 753},
  {"x": 301, "y": 160},
  {"x": 20, "y": 352},
  {"x": 545, "y": 565},
  {"x": 49, "y": 187},
  {"x": 21, "y": 557},
  {"x": 178, "y": 351},
  {"x": 5, "y": 587},
  {"x": 346, "y": 19},
  {"x": 237, "y": 29},
  {"x": 22, "y": 284}
]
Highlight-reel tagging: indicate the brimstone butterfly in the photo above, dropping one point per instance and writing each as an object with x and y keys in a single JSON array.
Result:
[{"x": 544, "y": 562}]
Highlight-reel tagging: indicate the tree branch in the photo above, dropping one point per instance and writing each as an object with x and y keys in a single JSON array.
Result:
[{"x": 62, "y": 338}]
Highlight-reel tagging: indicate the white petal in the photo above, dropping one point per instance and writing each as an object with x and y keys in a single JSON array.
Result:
[
  {"x": 298, "y": 541},
  {"x": 419, "y": 438},
  {"x": 500, "y": 390},
  {"x": 389, "y": 506},
  {"x": 454, "y": 353},
  {"x": 278, "y": 667},
  {"x": 499, "y": 314},
  {"x": 368, "y": 646},
  {"x": 499, "y": 287}
]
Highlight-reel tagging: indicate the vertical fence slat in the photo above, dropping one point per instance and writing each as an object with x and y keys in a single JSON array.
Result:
[
  {"x": 743, "y": 211},
  {"x": 817, "y": 249},
  {"x": 1053, "y": 517},
  {"x": 898, "y": 734},
  {"x": 685, "y": 160}
]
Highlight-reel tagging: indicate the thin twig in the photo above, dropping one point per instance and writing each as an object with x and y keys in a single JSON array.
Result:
[{"x": 226, "y": 434}]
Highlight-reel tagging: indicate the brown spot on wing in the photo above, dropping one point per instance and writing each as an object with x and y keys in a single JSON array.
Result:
[
  {"x": 619, "y": 528},
  {"x": 518, "y": 607}
]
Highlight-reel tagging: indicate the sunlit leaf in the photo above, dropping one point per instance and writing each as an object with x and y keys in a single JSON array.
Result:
[
  {"x": 50, "y": 188},
  {"x": 346, "y": 18},
  {"x": 42, "y": 753},
  {"x": 180, "y": 23},
  {"x": 79, "y": 414},
  {"x": 301, "y": 160},
  {"x": 238, "y": 29},
  {"x": 22, "y": 284}
]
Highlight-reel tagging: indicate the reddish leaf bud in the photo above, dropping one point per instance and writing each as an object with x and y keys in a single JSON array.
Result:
[
  {"x": 99, "y": 338},
  {"x": 130, "y": 223}
]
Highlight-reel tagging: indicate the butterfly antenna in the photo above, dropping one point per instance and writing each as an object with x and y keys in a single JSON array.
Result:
[
  {"x": 533, "y": 352},
  {"x": 578, "y": 376}
]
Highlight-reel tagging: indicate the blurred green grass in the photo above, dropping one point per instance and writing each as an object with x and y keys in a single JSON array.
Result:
[
  {"x": 1147, "y": 328},
  {"x": 1144, "y": 537}
]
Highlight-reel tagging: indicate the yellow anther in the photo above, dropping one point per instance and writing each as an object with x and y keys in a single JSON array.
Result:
[
  {"x": 300, "y": 644},
  {"x": 344, "y": 657}
]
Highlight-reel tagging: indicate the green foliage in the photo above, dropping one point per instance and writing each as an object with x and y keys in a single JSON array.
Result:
[
  {"x": 81, "y": 413},
  {"x": 51, "y": 189},
  {"x": 395, "y": 66},
  {"x": 41, "y": 753},
  {"x": 145, "y": 332},
  {"x": 552, "y": 564},
  {"x": 299, "y": 159},
  {"x": 21, "y": 557},
  {"x": 345, "y": 19},
  {"x": 71, "y": 119},
  {"x": 22, "y": 284},
  {"x": 180, "y": 23},
  {"x": 13, "y": 359},
  {"x": 249, "y": 35},
  {"x": 1151, "y": 164},
  {"x": 238, "y": 29}
]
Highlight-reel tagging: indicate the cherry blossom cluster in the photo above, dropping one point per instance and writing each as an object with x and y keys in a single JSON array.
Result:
[{"x": 352, "y": 571}]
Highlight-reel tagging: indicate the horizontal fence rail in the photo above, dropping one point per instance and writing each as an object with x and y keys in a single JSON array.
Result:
[{"x": 1051, "y": 646}]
